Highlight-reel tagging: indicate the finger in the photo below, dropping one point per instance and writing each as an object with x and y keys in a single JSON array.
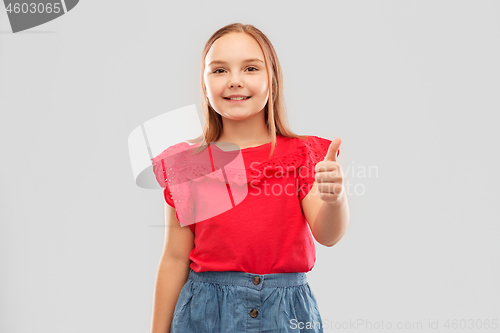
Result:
[
  {"x": 332, "y": 154},
  {"x": 332, "y": 176},
  {"x": 326, "y": 166},
  {"x": 330, "y": 188}
]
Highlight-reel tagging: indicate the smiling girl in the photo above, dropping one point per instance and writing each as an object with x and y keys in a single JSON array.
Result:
[{"x": 245, "y": 270}]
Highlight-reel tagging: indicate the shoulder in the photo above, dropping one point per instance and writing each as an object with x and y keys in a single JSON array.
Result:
[
  {"x": 303, "y": 149},
  {"x": 312, "y": 149},
  {"x": 172, "y": 158},
  {"x": 312, "y": 142}
]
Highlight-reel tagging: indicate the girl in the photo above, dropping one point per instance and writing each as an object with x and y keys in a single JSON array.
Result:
[{"x": 243, "y": 270}]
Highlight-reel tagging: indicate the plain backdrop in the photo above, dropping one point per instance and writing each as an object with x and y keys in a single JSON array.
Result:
[{"x": 411, "y": 88}]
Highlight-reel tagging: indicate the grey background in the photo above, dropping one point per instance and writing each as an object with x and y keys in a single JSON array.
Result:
[{"x": 411, "y": 88}]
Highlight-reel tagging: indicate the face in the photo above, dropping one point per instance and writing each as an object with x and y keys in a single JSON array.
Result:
[{"x": 227, "y": 73}]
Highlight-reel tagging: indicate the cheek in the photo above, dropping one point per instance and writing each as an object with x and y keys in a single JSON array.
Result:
[
  {"x": 213, "y": 88},
  {"x": 262, "y": 86}
]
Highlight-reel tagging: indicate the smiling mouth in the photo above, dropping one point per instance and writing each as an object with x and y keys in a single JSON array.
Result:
[{"x": 237, "y": 99}]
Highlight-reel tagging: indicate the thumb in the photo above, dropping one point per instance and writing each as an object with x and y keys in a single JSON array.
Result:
[{"x": 331, "y": 155}]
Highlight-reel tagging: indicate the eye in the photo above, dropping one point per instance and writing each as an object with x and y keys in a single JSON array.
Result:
[{"x": 220, "y": 69}]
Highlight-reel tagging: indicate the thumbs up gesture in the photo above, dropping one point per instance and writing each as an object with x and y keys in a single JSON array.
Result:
[{"x": 329, "y": 175}]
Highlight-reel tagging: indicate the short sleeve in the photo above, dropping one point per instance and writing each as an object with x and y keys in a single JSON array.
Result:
[
  {"x": 161, "y": 178},
  {"x": 313, "y": 150},
  {"x": 183, "y": 202}
]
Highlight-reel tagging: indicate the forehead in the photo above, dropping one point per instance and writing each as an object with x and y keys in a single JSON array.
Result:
[{"x": 234, "y": 47}]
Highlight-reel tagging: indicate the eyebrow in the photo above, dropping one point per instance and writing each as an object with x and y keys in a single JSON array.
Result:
[{"x": 244, "y": 61}]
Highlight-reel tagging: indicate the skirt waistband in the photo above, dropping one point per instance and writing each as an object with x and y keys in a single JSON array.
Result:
[{"x": 255, "y": 281}]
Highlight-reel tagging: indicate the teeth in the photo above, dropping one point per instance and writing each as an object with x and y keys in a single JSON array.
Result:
[{"x": 238, "y": 98}]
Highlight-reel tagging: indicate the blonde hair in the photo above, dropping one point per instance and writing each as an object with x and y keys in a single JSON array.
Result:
[{"x": 275, "y": 112}]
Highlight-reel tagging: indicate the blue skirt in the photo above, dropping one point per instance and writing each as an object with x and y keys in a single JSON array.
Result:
[{"x": 234, "y": 302}]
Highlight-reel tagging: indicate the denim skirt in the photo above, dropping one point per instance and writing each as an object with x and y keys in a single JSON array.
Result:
[{"x": 233, "y": 302}]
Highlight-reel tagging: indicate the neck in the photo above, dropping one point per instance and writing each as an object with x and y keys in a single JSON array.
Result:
[{"x": 245, "y": 133}]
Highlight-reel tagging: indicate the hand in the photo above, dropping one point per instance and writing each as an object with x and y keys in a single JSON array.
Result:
[{"x": 329, "y": 175}]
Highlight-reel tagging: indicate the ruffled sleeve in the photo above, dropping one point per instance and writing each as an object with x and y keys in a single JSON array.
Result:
[
  {"x": 169, "y": 168},
  {"x": 161, "y": 177},
  {"x": 313, "y": 151}
]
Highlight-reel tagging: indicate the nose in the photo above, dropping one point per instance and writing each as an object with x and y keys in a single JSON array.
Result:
[{"x": 235, "y": 80}]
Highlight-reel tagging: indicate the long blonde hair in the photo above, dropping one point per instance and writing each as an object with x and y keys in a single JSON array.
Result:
[{"x": 275, "y": 112}]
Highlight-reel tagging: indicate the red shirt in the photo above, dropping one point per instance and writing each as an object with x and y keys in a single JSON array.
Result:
[{"x": 267, "y": 231}]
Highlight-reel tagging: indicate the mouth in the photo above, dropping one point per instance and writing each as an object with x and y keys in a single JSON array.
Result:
[{"x": 237, "y": 98}]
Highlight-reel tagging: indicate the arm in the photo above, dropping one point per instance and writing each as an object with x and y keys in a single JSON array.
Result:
[
  {"x": 328, "y": 221},
  {"x": 173, "y": 271}
]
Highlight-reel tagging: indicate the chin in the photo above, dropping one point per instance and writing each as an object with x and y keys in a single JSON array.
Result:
[
  {"x": 238, "y": 117},
  {"x": 237, "y": 114}
]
